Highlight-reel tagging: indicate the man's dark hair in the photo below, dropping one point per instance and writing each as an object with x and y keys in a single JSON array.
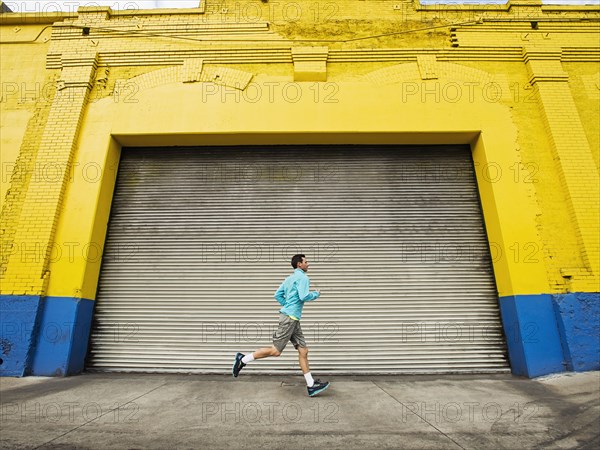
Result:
[{"x": 297, "y": 259}]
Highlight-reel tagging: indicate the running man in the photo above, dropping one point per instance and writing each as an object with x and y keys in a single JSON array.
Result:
[{"x": 291, "y": 295}]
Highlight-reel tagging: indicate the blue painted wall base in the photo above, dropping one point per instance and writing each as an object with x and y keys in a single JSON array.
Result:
[
  {"x": 19, "y": 323},
  {"x": 532, "y": 337},
  {"x": 552, "y": 333},
  {"x": 578, "y": 319},
  {"x": 44, "y": 337}
]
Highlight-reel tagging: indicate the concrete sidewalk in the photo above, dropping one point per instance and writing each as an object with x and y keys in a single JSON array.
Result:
[{"x": 100, "y": 411}]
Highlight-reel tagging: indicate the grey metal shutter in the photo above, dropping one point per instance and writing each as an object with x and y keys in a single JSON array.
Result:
[{"x": 200, "y": 238}]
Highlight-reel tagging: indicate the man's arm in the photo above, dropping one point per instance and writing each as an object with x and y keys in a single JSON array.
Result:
[
  {"x": 280, "y": 295},
  {"x": 304, "y": 290}
]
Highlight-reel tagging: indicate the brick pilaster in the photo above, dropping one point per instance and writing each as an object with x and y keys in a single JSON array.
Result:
[
  {"x": 27, "y": 268},
  {"x": 572, "y": 153}
]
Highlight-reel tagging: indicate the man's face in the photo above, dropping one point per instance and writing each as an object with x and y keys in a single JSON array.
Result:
[{"x": 303, "y": 265}]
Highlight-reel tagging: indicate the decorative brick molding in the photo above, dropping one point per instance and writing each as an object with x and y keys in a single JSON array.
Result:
[
  {"x": 93, "y": 14},
  {"x": 583, "y": 39},
  {"x": 544, "y": 65},
  {"x": 427, "y": 67},
  {"x": 534, "y": 3},
  {"x": 310, "y": 63}
]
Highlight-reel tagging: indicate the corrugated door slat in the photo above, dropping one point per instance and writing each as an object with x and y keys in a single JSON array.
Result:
[{"x": 200, "y": 238}]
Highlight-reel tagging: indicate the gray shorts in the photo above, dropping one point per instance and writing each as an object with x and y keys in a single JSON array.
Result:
[{"x": 288, "y": 330}]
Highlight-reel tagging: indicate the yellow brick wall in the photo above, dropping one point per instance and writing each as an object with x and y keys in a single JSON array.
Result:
[
  {"x": 584, "y": 81},
  {"x": 23, "y": 87},
  {"x": 27, "y": 95},
  {"x": 527, "y": 65}
]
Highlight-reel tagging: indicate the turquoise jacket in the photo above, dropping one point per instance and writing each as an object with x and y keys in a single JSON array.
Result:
[{"x": 293, "y": 292}]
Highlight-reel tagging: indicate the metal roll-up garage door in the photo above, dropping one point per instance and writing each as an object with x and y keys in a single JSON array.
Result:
[{"x": 200, "y": 238}]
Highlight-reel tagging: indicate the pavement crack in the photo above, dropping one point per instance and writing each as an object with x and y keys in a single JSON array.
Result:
[
  {"x": 423, "y": 419},
  {"x": 98, "y": 417}
]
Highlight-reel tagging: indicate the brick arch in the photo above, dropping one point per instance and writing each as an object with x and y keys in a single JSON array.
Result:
[
  {"x": 446, "y": 72},
  {"x": 191, "y": 71},
  {"x": 394, "y": 74},
  {"x": 148, "y": 80}
]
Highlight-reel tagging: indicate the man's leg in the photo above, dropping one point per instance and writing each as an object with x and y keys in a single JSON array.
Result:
[
  {"x": 303, "y": 358},
  {"x": 314, "y": 386},
  {"x": 280, "y": 340},
  {"x": 299, "y": 342},
  {"x": 266, "y": 352},
  {"x": 300, "y": 345},
  {"x": 261, "y": 353},
  {"x": 242, "y": 360}
]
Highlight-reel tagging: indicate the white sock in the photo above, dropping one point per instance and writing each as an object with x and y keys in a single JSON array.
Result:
[
  {"x": 309, "y": 379},
  {"x": 248, "y": 358}
]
